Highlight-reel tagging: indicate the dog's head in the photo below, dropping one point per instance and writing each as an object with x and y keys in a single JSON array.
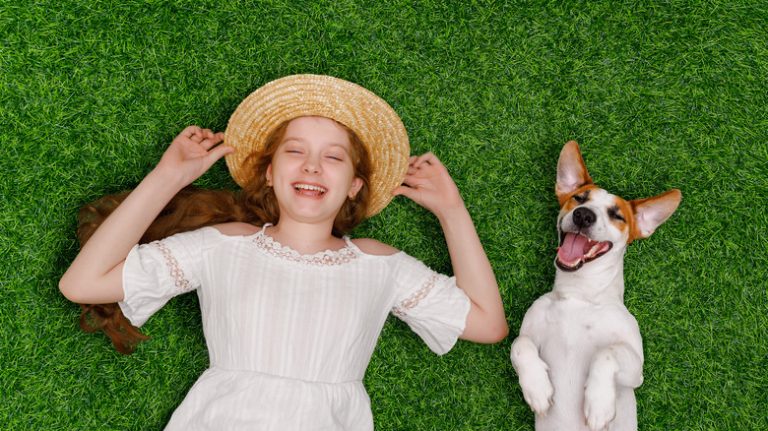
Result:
[{"x": 594, "y": 224}]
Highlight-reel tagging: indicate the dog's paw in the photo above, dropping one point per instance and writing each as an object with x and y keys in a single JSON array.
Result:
[
  {"x": 599, "y": 404},
  {"x": 537, "y": 390}
]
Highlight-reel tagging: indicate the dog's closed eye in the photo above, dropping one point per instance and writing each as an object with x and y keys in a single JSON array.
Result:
[
  {"x": 582, "y": 197},
  {"x": 614, "y": 213}
]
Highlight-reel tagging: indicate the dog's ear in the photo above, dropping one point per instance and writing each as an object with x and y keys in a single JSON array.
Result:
[
  {"x": 650, "y": 213},
  {"x": 571, "y": 171}
]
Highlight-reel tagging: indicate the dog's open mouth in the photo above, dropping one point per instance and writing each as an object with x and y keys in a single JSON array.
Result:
[{"x": 577, "y": 249}]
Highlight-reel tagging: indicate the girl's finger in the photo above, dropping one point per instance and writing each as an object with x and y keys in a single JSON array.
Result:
[
  {"x": 217, "y": 153},
  {"x": 425, "y": 158},
  {"x": 185, "y": 141},
  {"x": 211, "y": 140},
  {"x": 207, "y": 134},
  {"x": 207, "y": 144},
  {"x": 190, "y": 130},
  {"x": 408, "y": 192},
  {"x": 422, "y": 160},
  {"x": 413, "y": 182},
  {"x": 430, "y": 159}
]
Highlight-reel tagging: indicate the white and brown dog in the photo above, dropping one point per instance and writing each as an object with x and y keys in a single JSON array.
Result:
[{"x": 579, "y": 355}]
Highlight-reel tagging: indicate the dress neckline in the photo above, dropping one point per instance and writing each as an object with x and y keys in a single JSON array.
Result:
[{"x": 322, "y": 258}]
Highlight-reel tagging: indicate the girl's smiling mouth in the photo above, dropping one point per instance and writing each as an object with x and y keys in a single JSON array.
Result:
[{"x": 309, "y": 189}]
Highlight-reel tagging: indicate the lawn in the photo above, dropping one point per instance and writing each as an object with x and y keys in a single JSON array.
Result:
[{"x": 659, "y": 94}]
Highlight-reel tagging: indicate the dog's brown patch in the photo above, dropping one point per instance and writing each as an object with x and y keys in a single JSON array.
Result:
[
  {"x": 628, "y": 224},
  {"x": 567, "y": 201}
]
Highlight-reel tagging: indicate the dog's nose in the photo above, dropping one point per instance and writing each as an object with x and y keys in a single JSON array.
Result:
[{"x": 584, "y": 217}]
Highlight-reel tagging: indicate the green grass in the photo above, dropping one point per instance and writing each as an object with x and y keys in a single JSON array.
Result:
[{"x": 659, "y": 94}]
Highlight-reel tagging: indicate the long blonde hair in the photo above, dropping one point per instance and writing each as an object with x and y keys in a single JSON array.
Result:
[{"x": 193, "y": 208}]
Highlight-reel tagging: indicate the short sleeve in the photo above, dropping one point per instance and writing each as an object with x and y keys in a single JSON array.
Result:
[
  {"x": 154, "y": 273},
  {"x": 432, "y": 305}
]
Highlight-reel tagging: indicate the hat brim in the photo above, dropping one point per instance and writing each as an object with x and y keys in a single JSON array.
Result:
[{"x": 375, "y": 122}]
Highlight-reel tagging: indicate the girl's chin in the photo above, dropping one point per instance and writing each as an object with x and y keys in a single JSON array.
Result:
[{"x": 304, "y": 214}]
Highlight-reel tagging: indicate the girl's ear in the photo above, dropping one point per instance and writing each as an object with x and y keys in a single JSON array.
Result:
[
  {"x": 269, "y": 175},
  {"x": 357, "y": 184}
]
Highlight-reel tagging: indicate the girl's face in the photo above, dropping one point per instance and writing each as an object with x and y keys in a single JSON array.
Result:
[{"x": 312, "y": 172}]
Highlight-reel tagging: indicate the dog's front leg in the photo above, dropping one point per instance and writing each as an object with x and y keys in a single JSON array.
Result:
[
  {"x": 617, "y": 364},
  {"x": 533, "y": 374}
]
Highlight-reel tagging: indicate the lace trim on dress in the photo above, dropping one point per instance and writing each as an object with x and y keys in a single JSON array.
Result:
[
  {"x": 323, "y": 258},
  {"x": 407, "y": 304},
  {"x": 177, "y": 273}
]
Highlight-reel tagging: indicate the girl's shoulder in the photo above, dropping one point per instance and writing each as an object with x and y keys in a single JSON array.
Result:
[
  {"x": 236, "y": 228},
  {"x": 374, "y": 247}
]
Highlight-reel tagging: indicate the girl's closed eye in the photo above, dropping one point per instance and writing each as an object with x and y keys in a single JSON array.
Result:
[{"x": 293, "y": 150}]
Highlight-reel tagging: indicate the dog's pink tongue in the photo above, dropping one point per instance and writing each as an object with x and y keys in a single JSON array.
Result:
[{"x": 574, "y": 247}]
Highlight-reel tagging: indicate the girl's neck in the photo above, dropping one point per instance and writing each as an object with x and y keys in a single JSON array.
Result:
[{"x": 305, "y": 238}]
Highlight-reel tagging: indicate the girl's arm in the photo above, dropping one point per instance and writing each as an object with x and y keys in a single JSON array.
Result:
[
  {"x": 95, "y": 276},
  {"x": 430, "y": 185}
]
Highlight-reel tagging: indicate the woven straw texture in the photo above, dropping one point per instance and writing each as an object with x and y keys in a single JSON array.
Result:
[{"x": 375, "y": 122}]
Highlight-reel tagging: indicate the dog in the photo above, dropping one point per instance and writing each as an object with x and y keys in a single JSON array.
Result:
[{"x": 579, "y": 355}]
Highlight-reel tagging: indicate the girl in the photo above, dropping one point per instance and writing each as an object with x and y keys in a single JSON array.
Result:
[{"x": 291, "y": 307}]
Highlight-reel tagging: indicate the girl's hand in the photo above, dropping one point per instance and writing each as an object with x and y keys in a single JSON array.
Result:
[
  {"x": 192, "y": 153},
  {"x": 429, "y": 184}
]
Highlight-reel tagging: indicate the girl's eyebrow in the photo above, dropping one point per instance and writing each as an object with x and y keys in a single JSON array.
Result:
[
  {"x": 345, "y": 149},
  {"x": 291, "y": 138},
  {"x": 302, "y": 140}
]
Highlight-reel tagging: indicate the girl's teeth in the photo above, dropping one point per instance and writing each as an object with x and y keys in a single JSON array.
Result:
[{"x": 310, "y": 187}]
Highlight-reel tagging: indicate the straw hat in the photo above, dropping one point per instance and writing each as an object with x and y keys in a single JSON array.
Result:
[{"x": 373, "y": 120}]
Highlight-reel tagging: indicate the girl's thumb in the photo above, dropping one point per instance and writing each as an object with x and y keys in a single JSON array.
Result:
[
  {"x": 217, "y": 153},
  {"x": 406, "y": 191}
]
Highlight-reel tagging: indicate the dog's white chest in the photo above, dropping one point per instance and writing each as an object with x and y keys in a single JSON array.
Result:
[{"x": 572, "y": 327}]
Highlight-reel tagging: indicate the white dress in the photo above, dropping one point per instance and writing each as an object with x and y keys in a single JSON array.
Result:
[{"x": 289, "y": 336}]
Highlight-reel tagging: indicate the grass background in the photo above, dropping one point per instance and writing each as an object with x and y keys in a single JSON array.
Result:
[{"x": 659, "y": 94}]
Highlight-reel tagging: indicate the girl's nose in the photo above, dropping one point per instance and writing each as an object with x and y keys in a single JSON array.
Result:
[{"x": 311, "y": 166}]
